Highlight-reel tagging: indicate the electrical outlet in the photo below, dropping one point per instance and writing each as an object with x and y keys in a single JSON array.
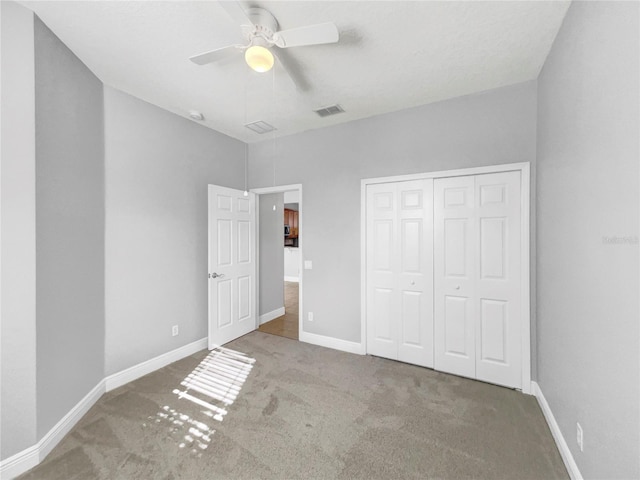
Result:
[
  {"x": 308, "y": 265},
  {"x": 579, "y": 436},
  {"x": 174, "y": 330},
  {"x": 310, "y": 315}
]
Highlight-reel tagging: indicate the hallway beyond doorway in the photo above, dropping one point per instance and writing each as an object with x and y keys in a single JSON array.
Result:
[{"x": 287, "y": 324}]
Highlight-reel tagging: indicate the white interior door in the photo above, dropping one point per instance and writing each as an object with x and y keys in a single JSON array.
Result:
[
  {"x": 232, "y": 264},
  {"x": 399, "y": 266},
  {"x": 498, "y": 339},
  {"x": 454, "y": 275}
]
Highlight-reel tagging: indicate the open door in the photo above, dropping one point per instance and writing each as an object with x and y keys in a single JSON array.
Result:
[{"x": 232, "y": 264}]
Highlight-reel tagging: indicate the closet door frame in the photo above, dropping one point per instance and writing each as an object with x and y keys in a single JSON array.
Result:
[{"x": 525, "y": 202}]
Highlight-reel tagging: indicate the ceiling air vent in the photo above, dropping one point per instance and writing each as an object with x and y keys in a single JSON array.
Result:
[
  {"x": 329, "y": 110},
  {"x": 260, "y": 127}
]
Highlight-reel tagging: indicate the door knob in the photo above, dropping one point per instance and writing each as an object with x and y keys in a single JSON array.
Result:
[
  {"x": 457, "y": 287},
  {"x": 412, "y": 282},
  {"x": 216, "y": 275}
]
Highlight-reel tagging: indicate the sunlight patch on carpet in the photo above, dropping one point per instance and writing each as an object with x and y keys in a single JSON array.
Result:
[{"x": 214, "y": 385}]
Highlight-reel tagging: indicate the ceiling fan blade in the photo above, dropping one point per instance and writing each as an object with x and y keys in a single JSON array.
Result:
[
  {"x": 309, "y": 35},
  {"x": 236, "y": 12},
  {"x": 293, "y": 71},
  {"x": 215, "y": 55}
]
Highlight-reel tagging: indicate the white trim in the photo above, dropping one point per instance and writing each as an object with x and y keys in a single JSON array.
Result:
[
  {"x": 32, "y": 456},
  {"x": 563, "y": 448},
  {"x": 140, "y": 370},
  {"x": 20, "y": 462},
  {"x": 507, "y": 167},
  {"x": 64, "y": 426},
  {"x": 267, "y": 317},
  {"x": 291, "y": 279},
  {"x": 363, "y": 265},
  {"x": 278, "y": 189},
  {"x": 524, "y": 169},
  {"x": 331, "y": 342},
  {"x": 525, "y": 277},
  {"x": 301, "y": 241},
  {"x": 256, "y": 249}
]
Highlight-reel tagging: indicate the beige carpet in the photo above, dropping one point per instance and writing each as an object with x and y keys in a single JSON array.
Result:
[
  {"x": 301, "y": 411},
  {"x": 287, "y": 325}
]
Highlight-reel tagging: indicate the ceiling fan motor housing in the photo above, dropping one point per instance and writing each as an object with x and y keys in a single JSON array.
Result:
[{"x": 265, "y": 24}]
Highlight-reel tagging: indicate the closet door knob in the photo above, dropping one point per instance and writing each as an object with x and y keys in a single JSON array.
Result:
[{"x": 457, "y": 287}]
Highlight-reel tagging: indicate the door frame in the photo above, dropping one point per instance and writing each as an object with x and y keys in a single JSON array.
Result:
[
  {"x": 280, "y": 189},
  {"x": 525, "y": 260}
]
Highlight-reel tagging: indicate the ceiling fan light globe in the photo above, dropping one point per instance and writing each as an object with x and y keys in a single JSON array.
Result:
[{"x": 259, "y": 58}]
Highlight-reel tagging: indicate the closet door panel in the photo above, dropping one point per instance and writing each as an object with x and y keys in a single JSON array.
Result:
[
  {"x": 415, "y": 277},
  {"x": 498, "y": 338},
  {"x": 399, "y": 289},
  {"x": 382, "y": 300},
  {"x": 454, "y": 275},
  {"x": 457, "y": 314}
]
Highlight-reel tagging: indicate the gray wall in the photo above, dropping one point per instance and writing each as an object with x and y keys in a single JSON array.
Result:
[
  {"x": 271, "y": 252},
  {"x": 18, "y": 222},
  {"x": 495, "y": 127},
  {"x": 588, "y": 189},
  {"x": 69, "y": 229},
  {"x": 158, "y": 166}
]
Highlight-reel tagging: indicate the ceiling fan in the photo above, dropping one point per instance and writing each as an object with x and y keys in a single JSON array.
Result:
[{"x": 260, "y": 29}]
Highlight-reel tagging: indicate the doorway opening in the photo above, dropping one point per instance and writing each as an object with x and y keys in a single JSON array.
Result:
[
  {"x": 280, "y": 260},
  {"x": 286, "y": 325}
]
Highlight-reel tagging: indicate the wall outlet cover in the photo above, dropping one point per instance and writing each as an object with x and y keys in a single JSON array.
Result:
[{"x": 174, "y": 330}]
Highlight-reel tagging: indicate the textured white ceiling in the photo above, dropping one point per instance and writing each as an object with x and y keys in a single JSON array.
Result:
[{"x": 391, "y": 55}]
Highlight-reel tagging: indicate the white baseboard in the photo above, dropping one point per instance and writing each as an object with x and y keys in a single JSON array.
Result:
[
  {"x": 330, "y": 342},
  {"x": 267, "y": 317},
  {"x": 64, "y": 426},
  {"x": 30, "y": 457},
  {"x": 20, "y": 462},
  {"x": 133, "y": 373},
  {"x": 565, "y": 453},
  {"x": 292, "y": 279}
]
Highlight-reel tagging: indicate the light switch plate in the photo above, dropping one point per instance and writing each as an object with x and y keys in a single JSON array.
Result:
[{"x": 308, "y": 265}]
